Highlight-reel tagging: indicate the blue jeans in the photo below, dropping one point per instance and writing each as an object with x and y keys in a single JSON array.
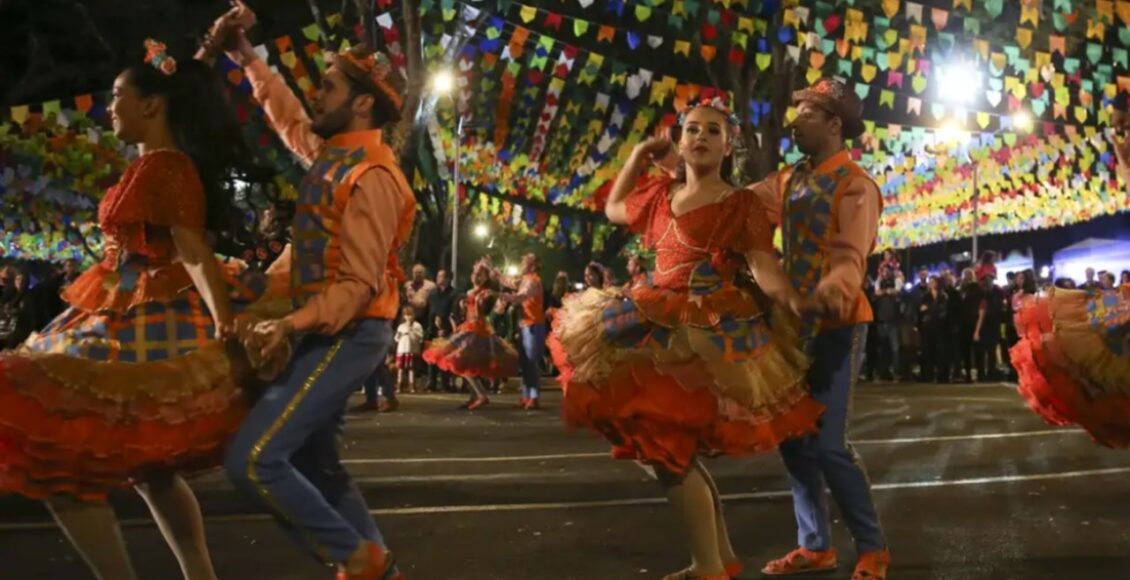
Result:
[
  {"x": 825, "y": 459},
  {"x": 286, "y": 453},
  {"x": 533, "y": 341},
  {"x": 888, "y": 349}
]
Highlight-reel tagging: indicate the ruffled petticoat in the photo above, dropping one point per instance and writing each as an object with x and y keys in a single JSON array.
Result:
[
  {"x": 665, "y": 374},
  {"x": 1073, "y": 360},
  {"x": 474, "y": 351},
  {"x": 126, "y": 382}
]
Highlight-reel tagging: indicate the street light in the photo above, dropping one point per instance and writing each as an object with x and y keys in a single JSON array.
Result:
[
  {"x": 443, "y": 83},
  {"x": 511, "y": 270},
  {"x": 958, "y": 82},
  {"x": 953, "y": 132},
  {"x": 481, "y": 231},
  {"x": 1022, "y": 121}
]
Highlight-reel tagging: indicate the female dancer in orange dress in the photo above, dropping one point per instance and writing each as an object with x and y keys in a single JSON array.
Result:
[
  {"x": 131, "y": 384},
  {"x": 1073, "y": 357},
  {"x": 689, "y": 365},
  {"x": 474, "y": 352}
]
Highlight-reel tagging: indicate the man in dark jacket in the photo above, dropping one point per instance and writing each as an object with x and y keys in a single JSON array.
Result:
[{"x": 441, "y": 307}]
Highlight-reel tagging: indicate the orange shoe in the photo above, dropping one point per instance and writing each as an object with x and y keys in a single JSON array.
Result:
[
  {"x": 734, "y": 569},
  {"x": 522, "y": 404},
  {"x": 477, "y": 403},
  {"x": 801, "y": 561},
  {"x": 532, "y": 405},
  {"x": 872, "y": 565},
  {"x": 380, "y": 566}
]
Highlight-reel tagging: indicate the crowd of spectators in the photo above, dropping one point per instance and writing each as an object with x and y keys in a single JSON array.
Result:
[{"x": 951, "y": 326}]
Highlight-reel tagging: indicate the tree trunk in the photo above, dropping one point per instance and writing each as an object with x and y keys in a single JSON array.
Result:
[{"x": 398, "y": 138}]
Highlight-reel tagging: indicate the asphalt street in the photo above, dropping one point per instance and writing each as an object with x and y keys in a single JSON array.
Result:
[{"x": 969, "y": 483}]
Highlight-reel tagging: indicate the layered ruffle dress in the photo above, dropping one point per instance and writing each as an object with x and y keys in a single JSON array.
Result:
[
  {"x": 1073, "y": 360},
  {"x": 129, "y": 379},
  {"x": 474, "y": 350},
  {"x": 694, "y": 363}
]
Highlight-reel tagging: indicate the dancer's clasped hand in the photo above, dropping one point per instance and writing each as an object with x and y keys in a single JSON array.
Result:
[{"x": 269, "y": 336}]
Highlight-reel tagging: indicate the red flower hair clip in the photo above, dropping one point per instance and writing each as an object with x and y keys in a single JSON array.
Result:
[{"x": 155, "y": 55}]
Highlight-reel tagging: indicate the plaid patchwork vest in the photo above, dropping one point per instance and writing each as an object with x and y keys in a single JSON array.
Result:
[
  {"x": 322, "y": 198},
  {"x": 809, "y": 220}
]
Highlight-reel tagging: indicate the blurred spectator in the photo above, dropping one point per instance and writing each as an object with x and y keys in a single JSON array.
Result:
[
  {"x": 594, "y": 275},
  {"x": 440, "y": 311},
  {"x": 932, "y": 329},
  {"x": 890, "y": 262},
  {"x": 637, "y": 273},
  {"x": 557, "y": 292},
  {"x": 1090, "y": 283},
  {"x": 987, "y": 266},
  {"x": 417, "y": 290},
  {"x": 952, "y": 337},
  {"x": 969, "y": 309},
  {"x": 1106, "y": 280},
  {"x": 888, "y": 304},
  {"x": 987, "y": 334},
  {"x": 1124, "y": 278},
  {"x": 17, "y": 312}
]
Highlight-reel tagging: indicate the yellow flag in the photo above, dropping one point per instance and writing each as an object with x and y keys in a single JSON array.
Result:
[
  {"x": 1023, "y": 38},
  {"x": 983, "y": 120},
  {"x": 19, "y": 114},
  {"x": 528, "y": 13},
  {"x": 890, "y": 8},
  {"x": 683, "y": 47}
]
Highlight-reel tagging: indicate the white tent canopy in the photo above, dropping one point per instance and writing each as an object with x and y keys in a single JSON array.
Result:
[{"x": 1097, "y": 253}]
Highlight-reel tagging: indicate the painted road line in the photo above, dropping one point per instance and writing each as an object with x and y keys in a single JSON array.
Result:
[
  {"x": 557, "y": 456},
  {"x": 645, "y": 501}
]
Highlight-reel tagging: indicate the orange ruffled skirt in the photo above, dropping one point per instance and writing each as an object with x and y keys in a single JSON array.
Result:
[
  {"x": 125, "y": 383},
  {"x": 474, "y": 351},
  {"x": 665, "y": 377},
  {"x": 1073, "y": 360}
]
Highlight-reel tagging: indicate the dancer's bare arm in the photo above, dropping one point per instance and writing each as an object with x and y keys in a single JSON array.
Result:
[
  {"x": 657, "y": 149},
  {"x": 200, "y": 261}
]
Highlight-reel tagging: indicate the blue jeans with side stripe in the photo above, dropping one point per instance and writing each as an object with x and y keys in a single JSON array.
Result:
[
  {"x": 286, "y": 453},
  {"x": 825, "y": 459},
  {"x": 533, "y": 345}
]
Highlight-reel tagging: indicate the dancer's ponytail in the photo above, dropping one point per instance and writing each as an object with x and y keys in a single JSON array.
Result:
[{"x": 204, "y": 127}]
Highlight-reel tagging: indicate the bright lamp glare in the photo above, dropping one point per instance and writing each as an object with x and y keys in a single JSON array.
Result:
[
  {"x": 1022, "y": 121},
  {"x": 512, "y": 270},
  {"x": 579, "y": 286},
  {"x": 958, "y": 83},
  {"x": 443, "y": 81},
  {"x": 481, "y": 231},
  {"x": 1045, "y": 272},
  {"x": 950, "y": 132}
]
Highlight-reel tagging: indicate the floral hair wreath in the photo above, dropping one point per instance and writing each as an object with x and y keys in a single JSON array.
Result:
[
  {"x": 716, "y": 103},
  {"x": 155, "y": 55}
]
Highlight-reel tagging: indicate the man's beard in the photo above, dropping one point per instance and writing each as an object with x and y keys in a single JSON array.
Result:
[{"x": 333, "y": 122}]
